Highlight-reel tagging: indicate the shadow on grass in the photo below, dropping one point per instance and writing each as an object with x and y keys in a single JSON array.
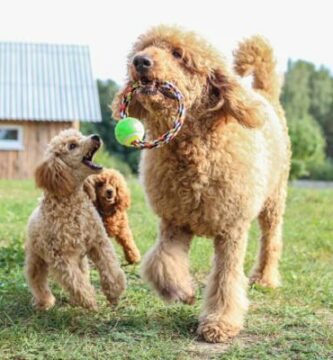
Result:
[
  {"x": 123, "y": 323},
  {"x": 139, "y": 314}
]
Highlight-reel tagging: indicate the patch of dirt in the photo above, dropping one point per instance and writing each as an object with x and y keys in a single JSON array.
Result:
[
  {"x": 325, "y": 314},
  {"x": 204, "y": 351}
]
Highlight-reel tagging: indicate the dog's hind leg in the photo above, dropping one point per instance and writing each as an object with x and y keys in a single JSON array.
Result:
[
  {"x": 166, "y": 265},
  {"x": 36, "y": 272},
  {"x": 266, "y": 272}
]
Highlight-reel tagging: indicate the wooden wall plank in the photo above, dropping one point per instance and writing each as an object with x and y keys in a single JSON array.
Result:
[{"x": 36, "y": 135}]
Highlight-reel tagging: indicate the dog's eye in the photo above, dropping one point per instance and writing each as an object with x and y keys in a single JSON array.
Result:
[
  {"x": 176, "y": 54},
  {"x": 72, "y": 146},
  {"x": 99, "y": 184}
]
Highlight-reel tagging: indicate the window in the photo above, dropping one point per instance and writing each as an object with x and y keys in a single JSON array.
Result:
[{"x": 11, "y": 137}]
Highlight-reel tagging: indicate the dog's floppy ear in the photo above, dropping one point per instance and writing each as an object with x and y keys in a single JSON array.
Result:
[
  {"x": 135, "y": 108},
  {"x": 54, "y": 176},
  {"x": 123, "y": 200},
  {"x": 230, "y": 98}
]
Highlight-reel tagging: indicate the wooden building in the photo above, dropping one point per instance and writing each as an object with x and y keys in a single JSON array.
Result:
[{"x": 44, "y": 88}]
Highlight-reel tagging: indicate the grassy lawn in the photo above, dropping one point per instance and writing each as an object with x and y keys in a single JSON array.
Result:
[{"x": 294, "y": 322}]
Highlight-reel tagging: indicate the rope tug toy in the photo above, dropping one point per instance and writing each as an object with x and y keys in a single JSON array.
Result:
[{"x": 130, "y": 131}]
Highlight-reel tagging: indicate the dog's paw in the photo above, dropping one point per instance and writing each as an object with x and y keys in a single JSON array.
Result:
[
  {"x": 115, "y": 288},
  {"x": 133, "y": 257},
  {"x": 44, "y": 304},
  {"x": 120, "y": 283},
  {"x": 174, "y": 294},
  {"x": 113, "y": 302},
  {"x": 217, "y": 331},
  {"x": 89, "y": 304},
  {"x": 265, "y": 279}
]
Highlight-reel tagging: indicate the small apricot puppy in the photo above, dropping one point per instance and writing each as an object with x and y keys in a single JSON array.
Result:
[
  {"x": 65, "y": 228},
  {"x": 111, "y": 197}
]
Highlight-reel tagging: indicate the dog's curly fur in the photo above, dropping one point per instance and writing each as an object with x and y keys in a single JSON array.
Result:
[
  {"x": 228, "y": 165},
  {"x": 111, "y": 197},
  {"x": 65, "y": 228}
]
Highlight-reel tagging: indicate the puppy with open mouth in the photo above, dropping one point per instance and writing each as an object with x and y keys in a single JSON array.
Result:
[{"x": 65, "y": 229}]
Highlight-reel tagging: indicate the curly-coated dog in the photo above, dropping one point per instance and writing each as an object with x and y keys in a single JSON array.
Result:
[
  {"x": 228, "y": 165},
  {"x": 111, "y": 197},
  {"x": 65, "y": 228}
]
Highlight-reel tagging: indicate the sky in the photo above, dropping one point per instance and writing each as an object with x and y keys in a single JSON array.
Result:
[{"x": 296, "y": 29}]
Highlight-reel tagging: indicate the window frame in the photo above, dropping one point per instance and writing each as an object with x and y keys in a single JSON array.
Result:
[{"x": 9, "y": 145}]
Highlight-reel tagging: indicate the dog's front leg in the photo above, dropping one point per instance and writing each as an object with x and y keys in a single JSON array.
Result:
[
  {"x": 125, "y": 239},
  {"x": 113, "y": 280},
  {"x": 226, "y": 294},
  {"x": 166, "y": 265},
  {"x": 69, "y": 274}
]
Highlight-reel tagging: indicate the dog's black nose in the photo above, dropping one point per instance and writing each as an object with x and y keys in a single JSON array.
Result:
[
  {"x": 142, "y": 63},
  {"x": 96, "y": 138},
  {"x": 109, "y": 193}
]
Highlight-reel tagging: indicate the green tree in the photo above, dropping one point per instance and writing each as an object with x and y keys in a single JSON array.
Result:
[
  {"x": 308, "y": 143},
  {"x": 308, "y": 146},
  {"x": 321, "y": 107},
  {"x": 296, "y": 95},
  {"x": 321, "y": 91}
]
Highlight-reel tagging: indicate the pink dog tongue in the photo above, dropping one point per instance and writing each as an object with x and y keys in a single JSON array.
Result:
[{"x": 87, "y": 160}]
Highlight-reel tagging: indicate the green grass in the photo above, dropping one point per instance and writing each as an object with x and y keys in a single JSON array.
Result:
[{"x": 294, "y": 322}]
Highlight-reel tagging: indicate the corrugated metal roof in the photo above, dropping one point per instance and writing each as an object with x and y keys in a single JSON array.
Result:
[{"x": 47, "y": 82}]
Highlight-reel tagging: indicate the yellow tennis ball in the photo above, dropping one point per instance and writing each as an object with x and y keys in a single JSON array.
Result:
[{"x": 128, "y": 130}]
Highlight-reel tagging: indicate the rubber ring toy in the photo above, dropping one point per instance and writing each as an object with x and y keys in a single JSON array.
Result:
[{"x": 130, "y": 131}]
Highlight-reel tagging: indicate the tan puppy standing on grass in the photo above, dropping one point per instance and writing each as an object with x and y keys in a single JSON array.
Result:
[
  {"x": 228, "y": 165},
  {"x": 65, "y": 229}
]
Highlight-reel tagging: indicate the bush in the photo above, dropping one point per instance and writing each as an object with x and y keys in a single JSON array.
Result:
[
  {"x": 308, "y": 146},
  {"x": 323, "y": 171}
]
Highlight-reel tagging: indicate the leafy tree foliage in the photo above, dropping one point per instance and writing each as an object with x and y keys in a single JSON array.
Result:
[
  {"x": 321, "y": 107},
  {"x": 296, "y": 96},
  {"x": 307, "y": 145},
  {"x": 307, "y": 98}
]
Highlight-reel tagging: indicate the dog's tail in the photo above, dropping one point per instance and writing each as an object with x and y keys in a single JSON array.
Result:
[{"x": 255, "y": 56}]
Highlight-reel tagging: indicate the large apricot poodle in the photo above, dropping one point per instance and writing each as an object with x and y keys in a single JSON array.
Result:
[
  {"x": 111, "y": 197},
  {"x": 65, "y": 228},
  {"x": 228, "y": 165}
]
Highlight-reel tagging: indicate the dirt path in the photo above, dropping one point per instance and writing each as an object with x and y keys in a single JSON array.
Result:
[{"x": 311, "y": 184}]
